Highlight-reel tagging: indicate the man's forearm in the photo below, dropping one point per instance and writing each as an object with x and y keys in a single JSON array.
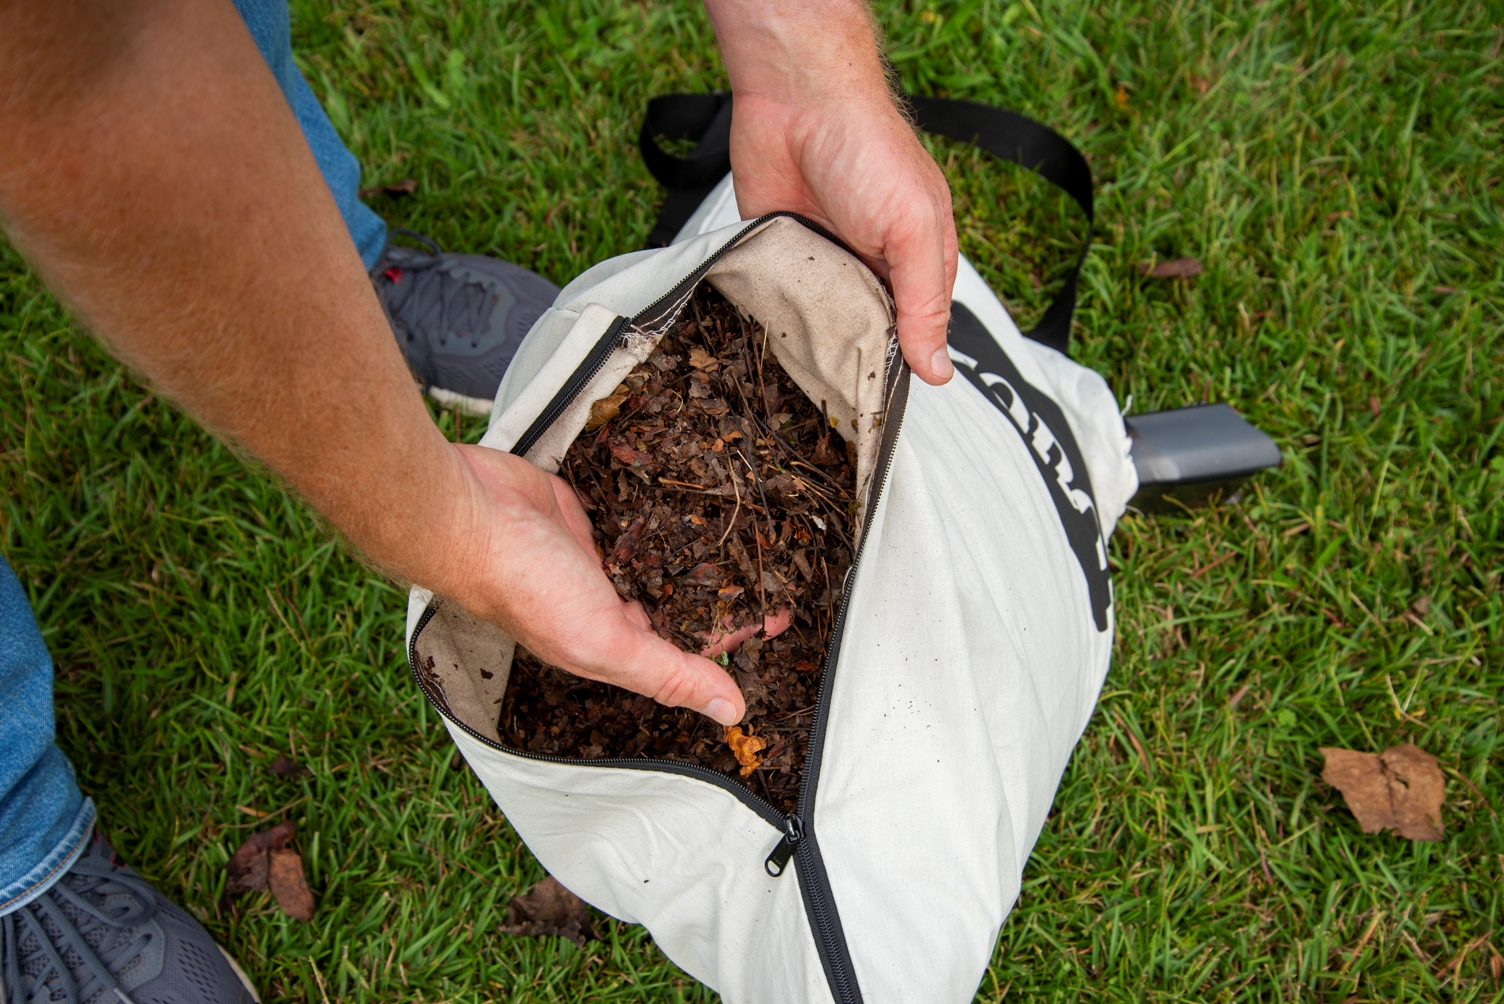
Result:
[
  {"x": 164, "y": 188},
  {"x": 791, "y": 52}
]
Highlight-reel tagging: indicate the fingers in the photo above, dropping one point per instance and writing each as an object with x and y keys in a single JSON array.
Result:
[
  {"x": 681, "y": 680},
  {"x": 922, "y": 297},
  {"x": 540, "y": 577},
  {"x": 921, "y": 259},
  {"x": 647, "y": 664},
  {"x": 867, "y": 174}
]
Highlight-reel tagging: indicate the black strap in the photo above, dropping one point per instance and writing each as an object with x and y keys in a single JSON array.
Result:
[
  {"x": 702, "y": 117},
  {"x": 1011, "y": 136},
  {"x": 1004, "y": 134}
]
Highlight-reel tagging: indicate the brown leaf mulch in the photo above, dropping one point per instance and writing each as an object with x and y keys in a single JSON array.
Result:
[{"x": 724, "y": 502}]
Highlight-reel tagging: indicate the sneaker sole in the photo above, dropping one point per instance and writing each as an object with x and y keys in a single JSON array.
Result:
[
  {"x": 476, "y": 406},
  {"x": 245, "y": 980}
]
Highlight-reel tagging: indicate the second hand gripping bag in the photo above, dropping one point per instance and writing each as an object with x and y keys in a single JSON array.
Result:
[{"x": 970, "y": 645}]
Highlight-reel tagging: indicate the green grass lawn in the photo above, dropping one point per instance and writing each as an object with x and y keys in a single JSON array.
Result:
[{"x": 1336, "y": 167}]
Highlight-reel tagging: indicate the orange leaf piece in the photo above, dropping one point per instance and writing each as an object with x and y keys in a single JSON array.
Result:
[
  {"x": 1399, "y": 789},
  {"x": 746, "y": 748}
]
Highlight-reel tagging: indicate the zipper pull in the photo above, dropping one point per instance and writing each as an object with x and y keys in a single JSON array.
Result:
[{"x": 793, "y": 832}]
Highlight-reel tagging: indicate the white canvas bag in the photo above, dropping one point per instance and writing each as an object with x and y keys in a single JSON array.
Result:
[{"x": 972, "y": 640}]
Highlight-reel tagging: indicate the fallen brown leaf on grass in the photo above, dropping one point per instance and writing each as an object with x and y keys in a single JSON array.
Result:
[
  {"x": 289, "y": 885},
  {"x": 249, "y": 867},
  {"x": 746, "y": 748},
  {"x": 266, "y": 863},
  {"x": 549, "y": 909},
  {"x": 406, "y": 186},
  {"x": 286, "y": 766},
  {"x": 1180, "y": 268},
  {"x": 1399, "y": 789}
]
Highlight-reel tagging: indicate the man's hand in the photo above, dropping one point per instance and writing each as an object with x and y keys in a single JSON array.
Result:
[
  {"x": 523, "y": 558},
  {"x": 815, "y": 131}
]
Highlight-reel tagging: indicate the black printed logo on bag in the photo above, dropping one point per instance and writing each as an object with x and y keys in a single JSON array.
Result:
[{"x": 1045, "y": 432}]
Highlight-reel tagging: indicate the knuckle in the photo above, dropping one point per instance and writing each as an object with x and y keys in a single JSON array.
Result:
[{"x": 677, "y": 689}]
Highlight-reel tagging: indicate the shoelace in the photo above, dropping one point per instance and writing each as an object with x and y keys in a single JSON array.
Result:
[
  {"x": 457, "y": 311},
  {"x": 14, "y": 927}
]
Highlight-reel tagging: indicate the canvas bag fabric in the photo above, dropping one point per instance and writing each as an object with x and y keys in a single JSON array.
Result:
[{"x": 977, "y": 633}]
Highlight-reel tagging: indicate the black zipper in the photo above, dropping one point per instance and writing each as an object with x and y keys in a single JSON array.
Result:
[
  {"x": 614, "y": 336},
  {"x": 756, "y": 803},
  {"x": 594, "y": 360},
  {"x": 814, "y": 883}
]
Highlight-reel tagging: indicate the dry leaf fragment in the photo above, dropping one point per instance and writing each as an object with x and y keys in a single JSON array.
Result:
[
  {"x": 627, "y": 455},
  {"x": 1179, "y": 268},
  {"x": 249, "y": 868},
  {"x": 286, "y": 766},
  {"x": 406, "y": 186},
  {"x": 627, "y": 544},
  {"x": 1399, "y": 789},
  {"x": 703, "y": 574},
  {"x": 550, "y": 909},
  {"x": 746, "y": 748},
  {"x": 606, "y": 408},
  {"x": 702, "y": 360},
  {"x": 285, "y": 876}
]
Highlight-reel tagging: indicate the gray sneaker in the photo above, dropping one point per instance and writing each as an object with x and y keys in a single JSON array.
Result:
[
  {"x": 103, "y": 935},
  {"x": 458, "y": 317}
]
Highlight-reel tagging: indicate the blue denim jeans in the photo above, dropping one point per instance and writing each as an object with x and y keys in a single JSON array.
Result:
[{"x": 44, "y": 818}]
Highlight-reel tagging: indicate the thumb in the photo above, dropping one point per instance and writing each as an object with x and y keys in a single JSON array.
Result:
[
  {"x": 922, "y": 278},
  {"x": 654, "y": 667}
]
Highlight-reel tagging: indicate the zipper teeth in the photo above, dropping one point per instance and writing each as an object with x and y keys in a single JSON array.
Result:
[
  {"x": 816, "y": 747},
  {"x": 674, "y": 293},
  {"x": 599, "y": 353},
  {"x": 837, "y": 971},
  {"x": 700, "y": 271},
  {"x": 844, "y": 992},
  {"x": 763, "y": 807},
  {"x": 602, "y": 349}
]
